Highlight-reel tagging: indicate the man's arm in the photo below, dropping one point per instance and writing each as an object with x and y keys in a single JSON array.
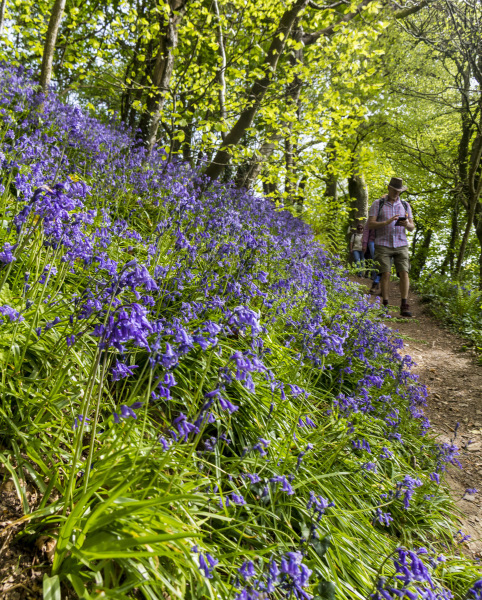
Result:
[
  {"x": 374, "y": 224},
  {"x": 409, "y": 225}
]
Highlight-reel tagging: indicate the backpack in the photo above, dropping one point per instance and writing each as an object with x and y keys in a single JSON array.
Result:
[{"x": 382, "y": 202}]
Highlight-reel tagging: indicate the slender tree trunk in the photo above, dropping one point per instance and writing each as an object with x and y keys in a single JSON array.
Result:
[
  {"x": 473, "y": 188},
  {"x": 222, "y": 67},
  {"x": 468, "y": 164},
  {"x": 270, "y": 190},
  {"x": 50, "y": 41},
  {"x": 465, "y": 239},
  {"x": 3, "y": 5},
  {"x": 258, "y": 90},
  {"x": 331, "y": 179},
  {"x": 249, "y": 175},
  {"x": 478, "y": 232},
  {"x": 162, "y": 72},
  {"x": 293, "y": 102},
  {"x": 358, "y": 192},
  {"x": 300, "y": 193},
  {"x": 420, "y": 257},
  {"x": 454, "y": 237}
]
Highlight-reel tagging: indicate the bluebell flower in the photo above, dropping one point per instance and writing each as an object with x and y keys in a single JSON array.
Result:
[
  {"x": 126, "y": 412},
  {"x": 6, "y": 254},
  {"x": 120, "y": 370},
  {"x": 207, "y": 565},
  {"x": 79, "y": 419},
  {"x": 11, "y": 313},
  {"x": 247, "y": 569}
]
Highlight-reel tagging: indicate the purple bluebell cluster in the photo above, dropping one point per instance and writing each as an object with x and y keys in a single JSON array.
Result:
[
  {"x": 475, "y": 592},
  {"x": 242, "y": 340},
  {"x": 413, "y": 579},
  {"x": 289, "y": 577}
]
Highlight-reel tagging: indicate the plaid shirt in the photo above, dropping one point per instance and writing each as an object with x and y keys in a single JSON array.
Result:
[{"x": 392, "y": 236}]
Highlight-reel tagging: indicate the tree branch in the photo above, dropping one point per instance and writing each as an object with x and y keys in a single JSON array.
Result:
[
  {"x": 411, "y": 10},
  {"x": 316, "y": 6},
  {"x": 310, "y": 38},
  {"x": 257, "y": 91}
]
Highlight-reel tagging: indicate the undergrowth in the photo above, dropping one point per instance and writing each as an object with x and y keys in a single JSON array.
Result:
[
  {"x": 457, "y": 304},
  {"x": 206, "y": 404}
]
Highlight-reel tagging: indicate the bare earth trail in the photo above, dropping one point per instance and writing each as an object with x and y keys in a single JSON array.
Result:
[{"x": 454, "y": 382}]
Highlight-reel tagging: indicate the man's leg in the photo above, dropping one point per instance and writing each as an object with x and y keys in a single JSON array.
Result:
[
  {"x": 385, "y": 287},
  {"x": 402, "y": 263},
  {"x": 404, "y": 286},
  {"x": 383, "y": 258}
]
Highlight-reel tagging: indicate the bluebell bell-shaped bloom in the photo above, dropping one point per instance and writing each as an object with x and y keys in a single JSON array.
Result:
[
  {"x": 184, "y": 427},
  {"x": 253, "y": 477},
  {"x": 11, "y": 313},
  {"x": 285, "y": 484},
  {"x": 126, "y": 412},
  {"x": 207, "y": 565},
  {"x": 6, "y": 254},
  {"x": 79, "y": 419},
  {"x": 120, "y": 370},
  {"x": 261, "y": 446},
  {"x": 247, "y": 569},
  {"x": 225, "y": 404},
  {"x": 237, "y": 499}
]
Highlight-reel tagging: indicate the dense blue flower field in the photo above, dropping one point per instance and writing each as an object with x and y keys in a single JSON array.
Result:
[{"x": 205, "y": 403}]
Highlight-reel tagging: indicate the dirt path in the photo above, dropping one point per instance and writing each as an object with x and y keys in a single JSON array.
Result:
[{"x": 454, "y": 381}]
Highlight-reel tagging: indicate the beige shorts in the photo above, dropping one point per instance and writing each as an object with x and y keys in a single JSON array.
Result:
[{"x": 384, "y": 255}]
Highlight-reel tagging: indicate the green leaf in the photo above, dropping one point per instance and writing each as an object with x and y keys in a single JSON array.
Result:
[
  {"x": 51, "y": 588},
  {"x": 326, "y": 591},
  {"x": 321, "y": 546}
]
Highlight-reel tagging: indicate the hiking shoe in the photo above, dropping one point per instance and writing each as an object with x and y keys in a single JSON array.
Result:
[
  {"x": 405, "y": 310},
  {"x": 375, "y": 289}
]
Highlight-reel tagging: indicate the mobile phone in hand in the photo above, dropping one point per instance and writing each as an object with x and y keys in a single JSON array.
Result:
[{"x": 401, "y": 221}]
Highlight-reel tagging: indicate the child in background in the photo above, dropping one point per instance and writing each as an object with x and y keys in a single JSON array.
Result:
[
  {"x": 368, "y": 243},
  {"x": 356, "y": 248}
]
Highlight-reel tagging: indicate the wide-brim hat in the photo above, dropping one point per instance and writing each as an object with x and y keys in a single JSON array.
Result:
[{"x": 397, "y": 184}]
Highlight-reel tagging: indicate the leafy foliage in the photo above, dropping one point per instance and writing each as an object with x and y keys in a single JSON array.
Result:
[{"x": 457, "y": 304}]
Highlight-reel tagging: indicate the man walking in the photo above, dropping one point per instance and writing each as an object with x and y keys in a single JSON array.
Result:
[{"x": 391, "y": 217}]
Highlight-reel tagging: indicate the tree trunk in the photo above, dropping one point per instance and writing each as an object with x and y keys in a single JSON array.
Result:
[
  {"x": 454, "y": 238},
  {"x": 468, "y": 168},
  {"x": 300, "y": 193},
  {"x": 420, "y": 257},
  {"x": 50, "y": 41},
  {"x": 478, "y": 232},
  {"x": 247, "y": 176},
  {"x": 3, "y": 5},
  {"x": 292, "y": 101},
  {"x": 270, "y": 190},
  {"x": 331, "y": 179},
  {"x": 162, "y": 72},
  {"x": 222, "y": 68},
  {"x": 473, "y": 189},
  {"x": 331, "y": 189},
  {"x": 358, "y": 192},
  {"x": 258, "y": 90}
]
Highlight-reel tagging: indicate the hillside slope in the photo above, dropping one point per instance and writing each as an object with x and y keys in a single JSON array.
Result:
[{"x": 205, "y": 403}]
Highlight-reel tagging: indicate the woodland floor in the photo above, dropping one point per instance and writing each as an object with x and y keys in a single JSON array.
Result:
[{"x": 454, "y": 382}]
